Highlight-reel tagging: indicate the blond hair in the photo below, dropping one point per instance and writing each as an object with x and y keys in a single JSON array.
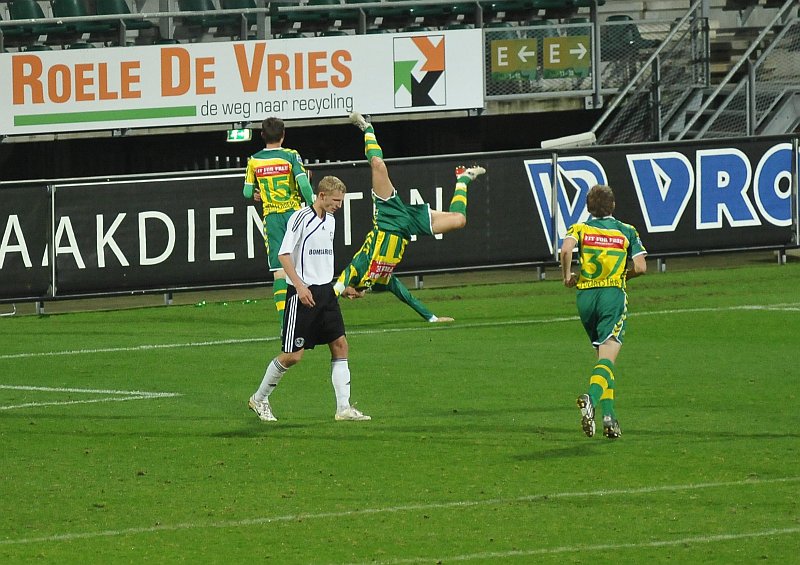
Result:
[{"x": 330, "y": 184}]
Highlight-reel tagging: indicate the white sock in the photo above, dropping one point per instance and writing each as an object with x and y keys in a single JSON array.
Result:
[
  {"x": 340, "y": 376},
  {"x": 272, "y": 376}
]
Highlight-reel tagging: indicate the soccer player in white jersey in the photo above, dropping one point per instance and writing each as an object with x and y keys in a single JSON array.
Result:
[{"x": 312, "y": 314}]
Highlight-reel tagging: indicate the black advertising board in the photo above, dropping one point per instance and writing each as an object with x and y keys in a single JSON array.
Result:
[
  {"x": 25, "y": 214},
  {"x": 183, "y": 232},
  {"x": 156, "y": 234},
  {"x": 171, "y": 232}
]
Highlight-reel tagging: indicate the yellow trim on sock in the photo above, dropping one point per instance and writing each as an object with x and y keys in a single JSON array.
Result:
[
  {"x": 459, "y": 198},
  {"x": 598, "y": 380},
  {"x": 604, "y": 368},
  {"x": 608, "y": 394}
]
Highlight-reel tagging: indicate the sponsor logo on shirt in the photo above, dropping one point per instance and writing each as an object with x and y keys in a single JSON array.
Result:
[
  {"x": 320, "y": 251},
  {"x": 605, "y": 241},
  {"x": 272, "y": 170},
  {"x": 378, "y": 269}
]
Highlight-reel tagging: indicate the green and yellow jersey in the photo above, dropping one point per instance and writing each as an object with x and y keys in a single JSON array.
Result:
[
  {"x": 281, "y": 179},
  {"x": 375, "y": 262},
  {"x": 394, "y": 223},
  {"x": 604, "y": 246}
]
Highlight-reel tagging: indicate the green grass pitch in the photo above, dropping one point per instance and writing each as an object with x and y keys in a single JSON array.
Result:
[{"x": 126, "y": 437}]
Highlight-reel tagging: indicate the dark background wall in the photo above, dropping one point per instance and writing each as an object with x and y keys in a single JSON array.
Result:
[{"x": 134, "y": 154}]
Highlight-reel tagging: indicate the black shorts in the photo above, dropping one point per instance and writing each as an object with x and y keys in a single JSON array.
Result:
[{"x": 305, "y": 327}]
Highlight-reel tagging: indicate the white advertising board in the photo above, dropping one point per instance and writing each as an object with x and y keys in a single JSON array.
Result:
[{"x": 240, "y": 81}]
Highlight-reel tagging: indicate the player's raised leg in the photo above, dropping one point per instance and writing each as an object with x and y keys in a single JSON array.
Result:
[
  {"x": 456, "y": 217},
  {"x": 381, "y": 184}
]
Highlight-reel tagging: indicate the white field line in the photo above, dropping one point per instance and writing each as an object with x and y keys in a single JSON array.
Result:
[
  {"x": 116, "y": 395},
  {"x": 233, "y": 524},
  {"x": 146, "y": 347},
  {"x": 587, "y": 548},
  {"x": 790, "y": 307}
]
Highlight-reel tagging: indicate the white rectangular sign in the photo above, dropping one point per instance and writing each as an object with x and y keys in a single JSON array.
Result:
[{"x": 230, "y": 82}]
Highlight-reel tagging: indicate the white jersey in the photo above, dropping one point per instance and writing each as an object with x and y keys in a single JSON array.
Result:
[{"x": 309, "y": 242}]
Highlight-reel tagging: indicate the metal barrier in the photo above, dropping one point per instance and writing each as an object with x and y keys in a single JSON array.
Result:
[
  {"x": 767, "y": 99},
  {"x": 659, "y": 86}
]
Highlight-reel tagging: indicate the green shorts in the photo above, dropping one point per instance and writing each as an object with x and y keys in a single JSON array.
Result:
[
  {"x": 603, "y": 312},
  {"x": 274, "y": 229},
  {"x": 394, "y": 215}
]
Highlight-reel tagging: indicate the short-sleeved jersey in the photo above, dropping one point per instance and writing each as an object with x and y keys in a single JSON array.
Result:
[
  {"x": 375, "y": 262},
  {"x": 309, "y": 242},
  {"x": 274, "y": 173},
  {"x": 604, "y": 246}
]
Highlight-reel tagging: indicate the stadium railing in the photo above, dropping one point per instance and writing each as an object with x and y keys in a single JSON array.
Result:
[{"x": 203, "y": 16}]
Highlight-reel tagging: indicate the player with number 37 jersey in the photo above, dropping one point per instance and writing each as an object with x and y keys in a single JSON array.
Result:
[{"x": 604, "y": 246}]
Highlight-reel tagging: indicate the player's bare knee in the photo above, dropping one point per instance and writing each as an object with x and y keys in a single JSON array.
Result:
[
  {"x": 339, "y": 348},
  {"x": 290, "y": 359},
  {"x": 378, "y": 164}
]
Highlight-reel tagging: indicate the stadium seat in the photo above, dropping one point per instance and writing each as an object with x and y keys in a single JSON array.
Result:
[
  {"x": 241, "y": 5},
  {"x": 292, "y": 34},
  {"x": 428, "y": 15},
  {"x": 584, "y": 29},
  {"x": 738, "y": 5},
  {"x": 372, "y": 16},
  {"x": 30, "y": 10},
  {"x": 620, "y": 39},
  {"x": 621, "y": 45},
  {"x": 36, "y": 47},
  {"x": 238, "y": 25},
  {"x": 77, "y": 9},
  {"x": 379, "y": 16},
  {"x": 279, "y": 21},
  {"x": 539, "y": 30},
  {"x": 311, "y": 20},
  {"x": 413, "y": 29},
  {"x": 12, "y": 35},
  {"x": 509, "y": 10},
  {"x": 194, "y": 27},
  {"x": 432, "y": 15},
  {"x": 458, "y": 25},
  {"x": 466, "y": 13},
  {"x": 120, "y": 7},
  {"x": 501, "y": 30},
  {"x": 80, "y": 45},
  {"x": 562, "y": 9}
]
